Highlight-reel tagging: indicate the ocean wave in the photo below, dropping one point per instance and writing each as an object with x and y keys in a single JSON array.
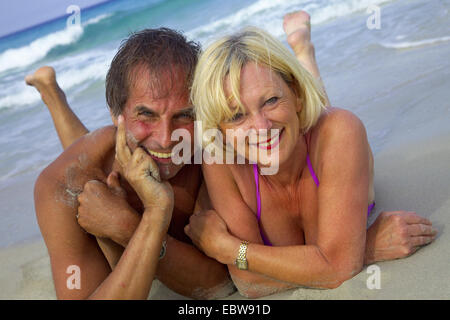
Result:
[
  {"x": 414, "y": 44},
  {"x": 71, "y": 71},
  {"x": 39, "y": 48},
  {"x": 268, "y": 14}
]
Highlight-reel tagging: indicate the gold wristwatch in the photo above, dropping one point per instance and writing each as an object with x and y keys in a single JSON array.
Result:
[{"x": 241, "y": 260}]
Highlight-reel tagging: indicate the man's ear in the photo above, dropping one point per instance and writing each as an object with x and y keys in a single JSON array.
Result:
[{"x": 113, "y": 118}]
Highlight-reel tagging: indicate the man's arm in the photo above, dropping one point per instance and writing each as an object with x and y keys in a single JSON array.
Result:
[
  {"x": 68, "y": 245},
  {"x": 201, "y": 277},
  {"x": 184, "y": 268}
]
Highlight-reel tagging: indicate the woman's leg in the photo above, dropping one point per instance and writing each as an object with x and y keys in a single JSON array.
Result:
[
  {"x": 297, "y": 27},
  {"x": 67, "y": 124},
  {"x": 394, "y": 234}
]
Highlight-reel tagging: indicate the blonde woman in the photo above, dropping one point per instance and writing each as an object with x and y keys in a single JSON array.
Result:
[{"x": 306, "y": 224}]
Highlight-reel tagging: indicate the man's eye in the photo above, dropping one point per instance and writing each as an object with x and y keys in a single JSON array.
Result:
[
  {"x": 186, "y": 115},
  {"x": 146, "y": 114}
]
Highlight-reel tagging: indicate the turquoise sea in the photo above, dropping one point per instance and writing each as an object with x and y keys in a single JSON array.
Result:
[{"x": 360, "y": 66}]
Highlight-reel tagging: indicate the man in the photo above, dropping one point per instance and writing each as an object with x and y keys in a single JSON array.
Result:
[
  {"x": 148, "y": 84},
  {"x": 89, "y": 214}
]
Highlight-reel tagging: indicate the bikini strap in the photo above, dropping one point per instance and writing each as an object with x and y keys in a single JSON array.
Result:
[
  {"x": 258, "y": 195},
  {"x": 308, "y": 161}
]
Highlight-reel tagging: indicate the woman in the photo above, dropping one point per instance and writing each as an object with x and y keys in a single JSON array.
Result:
[{"x": 306, "y": 224}]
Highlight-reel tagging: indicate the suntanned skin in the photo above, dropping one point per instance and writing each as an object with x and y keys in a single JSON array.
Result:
[
  {"x": 92, "y": 157},
  {"x": 318, "y": 234}
]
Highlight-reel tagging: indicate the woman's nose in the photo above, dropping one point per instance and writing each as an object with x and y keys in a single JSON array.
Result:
[{"x": 261, "y": 122}]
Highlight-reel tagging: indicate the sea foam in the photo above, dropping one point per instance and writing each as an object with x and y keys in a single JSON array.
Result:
[
  {"x": 39, "y": 48},
  {"x": 268, "y": 14},
  {"x": 414, "y": 44},
  {"x": 71, "y": 71}
]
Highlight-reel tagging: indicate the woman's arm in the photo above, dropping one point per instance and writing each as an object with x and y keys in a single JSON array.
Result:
[
  {"x": 339, "y": 251},
  {"x": 241, "y": 222}
]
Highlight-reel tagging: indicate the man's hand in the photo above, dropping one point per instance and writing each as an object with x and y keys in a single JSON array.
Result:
[
  {"x": 397, "y": 234},
  {"x": 104, "y": 211},
  {"x": 143, "y": 175}
]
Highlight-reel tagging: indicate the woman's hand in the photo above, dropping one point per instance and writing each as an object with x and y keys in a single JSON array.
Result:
[
  {"x": 104, "y": 211},
  {"x": 209, "y": 233},
  {"x": 397, "y": 234},
  {"x": 143, "y": 175}
]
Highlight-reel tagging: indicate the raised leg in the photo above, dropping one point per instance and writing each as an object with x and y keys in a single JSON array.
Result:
[
  {"x": 394, "y": 234},
  {"x": 297, "y": 27},
  {"x": 68, "y": 126}
]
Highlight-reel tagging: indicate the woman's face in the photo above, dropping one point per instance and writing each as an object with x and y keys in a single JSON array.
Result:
[{"x": 268, "y": 130}]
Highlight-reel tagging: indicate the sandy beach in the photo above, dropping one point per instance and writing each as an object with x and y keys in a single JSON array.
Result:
[
  {"x": 401, "y": 93},
  {"x": 413, "y": 177}
]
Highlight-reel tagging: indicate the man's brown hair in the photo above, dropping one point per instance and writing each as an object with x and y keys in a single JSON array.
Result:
[{"x": 162, "y": 52}]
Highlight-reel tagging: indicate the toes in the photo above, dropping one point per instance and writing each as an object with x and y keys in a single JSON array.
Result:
[{"x": 296, "y": 20}]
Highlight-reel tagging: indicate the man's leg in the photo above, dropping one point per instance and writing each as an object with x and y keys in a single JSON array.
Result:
[{"x": 67, "y": 124}]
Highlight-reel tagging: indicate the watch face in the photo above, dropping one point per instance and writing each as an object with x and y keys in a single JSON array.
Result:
[{"x": 242, "y": 264}]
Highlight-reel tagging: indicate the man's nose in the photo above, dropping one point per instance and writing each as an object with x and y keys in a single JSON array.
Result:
[{"x": 164, "y": 135}]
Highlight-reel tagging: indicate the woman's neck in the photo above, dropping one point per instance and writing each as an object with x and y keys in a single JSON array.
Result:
[{"x": 290, "y": 171}]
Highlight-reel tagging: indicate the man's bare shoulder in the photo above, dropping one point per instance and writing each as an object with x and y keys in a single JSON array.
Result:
[{"x": 84, "y": 160}]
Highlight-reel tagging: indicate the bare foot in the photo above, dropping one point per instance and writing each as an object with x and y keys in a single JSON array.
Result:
[
  {"x": 42, "y": 78},
  {"x": 297, "y": 26},
  {"x": 67, "y": 124}
]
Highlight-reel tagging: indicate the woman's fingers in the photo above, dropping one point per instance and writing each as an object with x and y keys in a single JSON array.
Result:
[
  {"x": 421, "y": 230},
  {"x": 123, "y": 152},
  {"x": 421, "y": 241},
  {"x": 413, "y": 218}
]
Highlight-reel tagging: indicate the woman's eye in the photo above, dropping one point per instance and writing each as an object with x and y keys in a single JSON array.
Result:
[
  {"x": 236, "y": 117},
  {"x": 272, "y": 100}
]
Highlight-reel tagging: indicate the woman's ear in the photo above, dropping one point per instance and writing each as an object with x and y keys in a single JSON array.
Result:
[
  {"x": 299, "y": 104},
  {"x": 298, "y": 100}
]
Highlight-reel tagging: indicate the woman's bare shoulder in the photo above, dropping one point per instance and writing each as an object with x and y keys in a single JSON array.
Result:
[
  {"x": 337, "y": 125},
  {"x": 337, "y": 119}
]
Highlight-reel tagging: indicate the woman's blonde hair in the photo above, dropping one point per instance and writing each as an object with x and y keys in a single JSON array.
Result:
[{"x": 227, "y": 56}]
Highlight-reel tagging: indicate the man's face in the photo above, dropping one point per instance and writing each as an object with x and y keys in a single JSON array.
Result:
[{"x": 150, "y": 121}]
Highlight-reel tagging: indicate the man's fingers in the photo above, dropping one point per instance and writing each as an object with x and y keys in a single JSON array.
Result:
[
  {"x": 123, "y": 153},
  {"x": 421, "y": 230},
  {"x": 113, "y": 180},
  {"x": 114, "y": 184},
  {"x": 187, "y": 230},
  {"x": 146, "y": 163}
]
